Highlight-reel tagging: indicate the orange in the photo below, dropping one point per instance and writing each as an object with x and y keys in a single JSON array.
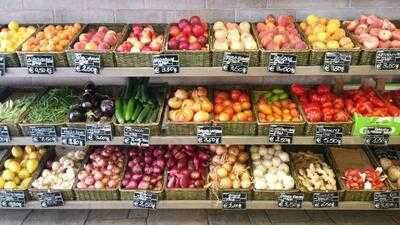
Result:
[{"x": 276, "y": 110}]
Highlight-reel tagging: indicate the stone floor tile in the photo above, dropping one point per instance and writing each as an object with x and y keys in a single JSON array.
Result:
[
  {"x": 108, "y": 214},
  {"x": 58, "y": 217},
  {"x": 229, "y": 218},
  {"x": 138, "y": 213},
  {"x": 280, "y": 216},
  {"x": 361, "y": 218},
  {"x": 132, "y": 221},
  {"x": 11, "y": 216},
  {"x": 177, "y": 217},
  {"x": 258, "y": 217},
  {"x": 318, "y": 215}
]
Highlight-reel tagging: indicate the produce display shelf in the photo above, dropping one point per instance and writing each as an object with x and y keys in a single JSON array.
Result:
[
  {"x": 243, "y": 140},
  {"x": 195, "y": 204},
  {"x": 363, "y": 71}
]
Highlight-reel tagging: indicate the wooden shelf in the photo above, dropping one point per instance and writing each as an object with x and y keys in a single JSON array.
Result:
[
  {"x": 363, "y": 71},
  {"x": 254, "y": 140}
]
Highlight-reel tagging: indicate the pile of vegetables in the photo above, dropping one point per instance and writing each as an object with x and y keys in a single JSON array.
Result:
[
  {"x": 187, "y": 166},
  {"x": 367, "y": 179},
  {"x": 229, "y": 168},
  {"x": 145, "y": 168},
  {"x": 270, "y": 168},
  {"x": 61, "y": 173},
  {"x": 93, "y": 107},
  {"x": 53, "y": 106},
  {"x": 104, "y": 169},
  {"x": 139, "y": 103},
  {"x": 11, "y": 110},
  {"x": 392, "y": 168},
  {"x": 313, "y": 173}
]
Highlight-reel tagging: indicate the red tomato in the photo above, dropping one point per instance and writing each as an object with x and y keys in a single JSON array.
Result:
[
  {"x": 235, "y": 94},
  {"x": 323, "y": 89},
  {"x": 297, "y": 89},
  {"x": 338, "y": 103},
  {"x": 341, "y": 117},
  {"x": 314, "y": 97},
  {"x": 314, "y": 116}
]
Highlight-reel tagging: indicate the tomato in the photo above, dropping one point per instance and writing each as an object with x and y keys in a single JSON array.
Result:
[
  {"x": 377, "y": 101},
  {"x": 325, "y": 98},
  {"x": 235, "y": 94},
  {"x": 338, "y": 103},
  {"x": 246, "y": 105},
  {"x": 323, "y": 89},
  {"x": 218, "y": 108},
  {"x": 328, "y": 117},
  {"x": 303, "y": 99},
  {"x": 341, "y": 117},
  {"x": 244, "y": 98},
  {"x": 297, "y": 89},
  {"x": 326, "y": 105},
  {"x": 314, "y": 97},
  {"x": 314, "y": 116}
]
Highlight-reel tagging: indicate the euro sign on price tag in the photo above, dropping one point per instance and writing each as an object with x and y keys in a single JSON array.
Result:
[
  {"x": 4, "y": 134},
  {"x": 166, "y": 63},
  {"x": 12, "y": 199},
  {"x": 377, "y": 135},
  {"x": 290, "y": 200},
  {"x": 387, "y": 60},
  {"x": 43, "y": 134},
  {"x": 73, "y": 136},
  {"x": 40, "y": 64},
  {"x": 87, "y": 63},
  {"x": 282, "y": 63},
  {"x": 209, "y": 134},
  {"x": 98, "y": 132},
  {"x": 137, "y": 136},
  {"x": 329, "y": 135},
  {"x": 50, "y": 199},
  {"x": 145, "y": 200},
  {"x": 234, "y": 201},
  {"x": 325, "y": 199},
  {"x": 337, "y": 62},
  {"x": 281, "y": 134},
  {"x": 236, "y": 63}
]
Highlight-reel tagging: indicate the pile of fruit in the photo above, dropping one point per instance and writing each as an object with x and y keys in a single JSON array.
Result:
[
  {"x": 20, "y": 167},
  {"x": 373, "y": 32},
  {"x": 52, "y": 38},
  {"x": 142, "y": 39},
  {"x": 392, "y": 97},
  {"x": 189, "y": 34},
  {"x": 280, "y": 32},
  {"x": 275, "y": 106},
  {"x": 366, "y": 102},
  {"x": 12, "y": 36},
  {"x": 101, "y": 39},
  {"x": 231, "y": 36},
  {"x": 392, "y": 167},
  {"x": 323, "y": 33},
  {"x": 233, "y": 105},
  {"x": 320, "y": 104},
  {"x": 190, "y": 106},
  {"x": 367, "y": 179}
]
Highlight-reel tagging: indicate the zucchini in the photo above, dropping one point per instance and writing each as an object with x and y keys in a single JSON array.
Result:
[
  {"x": 118, "y": 110},
  {"x": 136, "y": 113},
  {"x": 143, "y": 114},
  {"x": 129, "y": 109},
  {"x": 153, "y": 115}
]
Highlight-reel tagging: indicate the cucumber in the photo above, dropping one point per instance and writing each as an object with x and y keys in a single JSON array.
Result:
[
  {"x": 118, "y": 110},
  {"x": 137, "y": 111},
  {"x": 143, "y": 114},
  {"x": 129, "y": 109},
  {"x": 153, "y": 115}
]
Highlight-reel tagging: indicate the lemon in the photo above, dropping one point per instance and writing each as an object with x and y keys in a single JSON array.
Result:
[
  {"x": 32, "y": 165},
  {"x": 312, "y": 19},
  {"x": 334, "y": 22},
  {"x": 13, "y": 25},
  {"x": 332, "y": 44},
  {"x": 14, "y": 166},
  {"x": 7, "y": 163},
  {"x": 8, "y": 175},
  {"x": 25, "y": 183},
  {"x": 318, "y": 45},
  {"x": 16, "y": 180},
  {"x": 323, "y": 36},
  {"x": 23, "y": 173},
  {"x": 30, "y": 148},
  {"x": 1, "y": 183},
  {"x": 10, "y": 185},
  {"x": 33, "y": 155},
  {"x": 332, "y": 28},
  {"x": 17, "y": 152}
]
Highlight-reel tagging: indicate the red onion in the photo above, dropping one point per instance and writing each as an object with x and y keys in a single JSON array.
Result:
[
  {"x": 143, "y": 185},
  {"x": 195, "y": 175},
  {"x": 136, "y": 177}
]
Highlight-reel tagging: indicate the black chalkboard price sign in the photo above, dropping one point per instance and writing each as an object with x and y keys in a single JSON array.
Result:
[
  {"x": 40, "y": 64},
  {"x": 237, "y": 63},
  {"x": 282, "y": 63},
  {"x": 98, "y": 132},
  {"x": 325, "y": 199},
  {"x": 137, "y": 136},
  {"x": 377, "y": 135},
  {"x": 145, "y": 200},
  {"x": 12, "y": 199},
  {"x": 234, "y": 200},
  {"x": 4, "y": 134},
  {"x": 387, "y": 60},
  {"x": 209, "y": 134},
  {"x": 337, "y": 62},
  {"x": 166, "y": 63},
  {"x": 281, "y": 134},
  {"x": 87, "y": 63},
  {"x": 290, "y": 200},
  {"x": 43, "y": 134},
  {"x": 73, "y": 136},
  {"x": 328, "y": 135},
  {"x": 2, "y": 65},
  {"x": 387, "y": 200},
  {"x": 50, "y": 199}
]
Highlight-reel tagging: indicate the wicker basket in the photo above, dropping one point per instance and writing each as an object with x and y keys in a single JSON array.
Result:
[
  {"x": 186, "y": 193},
  {"x": 189, "y": 58},
  {"x": 301, "y": 54},
  {"x": 218, "y": 55},
  {"x": 60, "y": 58},
  {"x": 11, "y": 58},
  {"x": 263, "y": 127},
  {"x": 106, "y": 57},
  {"x": 138, "y": 59}
]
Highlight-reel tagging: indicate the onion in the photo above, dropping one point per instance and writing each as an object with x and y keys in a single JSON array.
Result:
[
  {"x": 82, "y": 175},
  {"x": 231, "y": 159},
  {"x": 245, "y": 183},
  {"x": 225, "y": 183},
  {"x": 81, "y": 184},
  {"x": 222, "y": 172},
  {"x": 112, "y": 183},
  {"x": 216, "y": 160},
  {"x": 243, "y": 157},
  {"x": 97, "y": 175},
  {"x": 220, "y": 150},
  {"x": 143, "y": 185},
  {"x": 195, "y": 175},
  {"x": 184, "y": 181},
  {"x": 98, "y": 184},
  {"x": 203, "y": 156},
  {"x": 227, "y": 166},
  {"x": 234, "y": 150},
  {"x": 132, "y": 185},
  {"x": 89, "y": 180}
]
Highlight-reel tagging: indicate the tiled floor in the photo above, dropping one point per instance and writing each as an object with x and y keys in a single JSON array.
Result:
[{"x": 197, "y": 217}]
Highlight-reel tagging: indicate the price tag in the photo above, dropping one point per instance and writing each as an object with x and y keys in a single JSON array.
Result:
[
  {"x": 282, "y": 63},
  {"x": 325, "y": 200},
  {"x": 329, "y": 135},
  {"x": 12, "y": 199},
  {"x": 387, "y": 200},
  {"x": 209, "y": 134},
  {"x": 137, "y": 136},
  {"x": 73, "y": 136},
  {"x": 87, "y": 63},
  {"x": 236, "y": 63},
  {"x": 145, "y": 200},
  {"x": 50, "y": 199},
  {"x": 4, "y": 134},
  {"x": 290, "y": 200},
  {"x": 166, "y": 63},
  {"x": 337, "y": 62},
  {"x": 40, "y": 64},
  {"x": 2, "y": 65},
  {"x": 387, "y": 60},
  {"x": 98, "y": 132},
  {"x": 377, "y": 135},
  {"x": 43, "y": 134},
  {"x": 234, "y": 200},
  {"x": 281, "y": 134}
]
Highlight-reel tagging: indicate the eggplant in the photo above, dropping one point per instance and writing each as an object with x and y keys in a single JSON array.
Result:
[
  {"x": 90, "y": 88},
  {"x": 107, "y": 107},
  {"x": 76, "y": 115}
]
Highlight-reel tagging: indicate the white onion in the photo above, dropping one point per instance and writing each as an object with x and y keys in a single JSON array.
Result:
[
  {"x": 255, "y": 156},
  {"x": 267, "y": 163},
  {"x": 288, "y": 182},
  {"x": 284, "y": 156},
  {"x": 262, "y": 150},
  {"x": 284, "y": 167},
  {"x": 276, "y": 161},
  {"x": 271, "y": 151}
]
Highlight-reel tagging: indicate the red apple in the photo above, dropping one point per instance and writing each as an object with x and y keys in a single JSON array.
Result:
[
  {"x": 137, "y": 30},
  {"x": 182, "y": 23},
  {"x": 396, "y": 34},
  {"x": 103, "y": 46},
  {"x": 187, "y": 30},
  {"x": 155, "y": 46},
  {"x": 195, "y": 46},
  {"x": 111, "y": 37},
  {"x": 195, "y": 20},
  {"x": 192, "y": 39},
  {"x": 79, "y": 46},
  {"x": 198, "y": 30},
  {"x": 182, "y": 38},
  {"x": 395, "y": 44},
  {"x": 374, "y": 31},
  {"x": 202, "y": 40},
  {"x": 385, "y": 35},
  {"x": 146, "y": 49},
  {"x": 102, "y": 29},
  {"x": 174, "y": 31},
  {"x": 173, "y": 44},
  {"x": 183, "y": 45},
  {"x": 385, "y": 44}
]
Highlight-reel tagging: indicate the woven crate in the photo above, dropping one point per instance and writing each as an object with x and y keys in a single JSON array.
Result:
[
  {"x": 263, "y": 127},
  {"x": 301, "y": 54},
  {"x": 106, "y": 57},
  {"x": 60, "y": 58},
  {"x": 11, "y": 58},
  {"x": 189, "y": 58},
  {"x": 138, "y": 59},
  {"x": 218, "y": 55},
  {"x": 186, "y": 193}
]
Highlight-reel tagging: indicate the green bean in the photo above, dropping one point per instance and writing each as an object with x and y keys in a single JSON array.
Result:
[{"x": 11, "y": 109}]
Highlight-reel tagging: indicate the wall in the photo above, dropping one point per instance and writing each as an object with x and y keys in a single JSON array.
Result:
[{"x": 133, "y": 11}]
